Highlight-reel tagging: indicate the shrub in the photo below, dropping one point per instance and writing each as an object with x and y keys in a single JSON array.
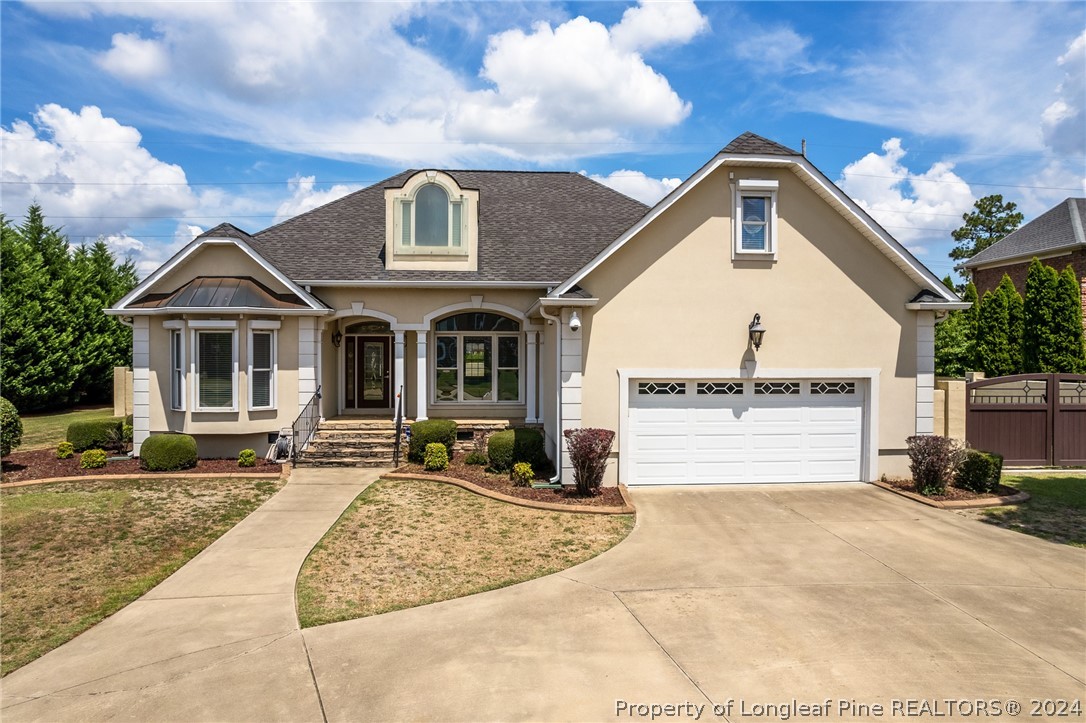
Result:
[
  {"x": 247, "y": 458},
  {"x": 932, "y": 460},
  {"x": 65, "y": 450},
  {"x": 522, "y": 475},
  {"x": 588, "y": 452},
  {"x": 979, "y": 471},
  {"x": 95, "y": 433},
  {"x": 168, "y": 452},
  {"x": 436, "y": 457},
  {"x": 11, "y": 427},
  {"x": 506, "y": 448},
  {"x": 126, "y": 432},
  {"x": 93, "y": 459},
  {"x": 476, "y": 457},
  {"x": 430, "y": 431}
]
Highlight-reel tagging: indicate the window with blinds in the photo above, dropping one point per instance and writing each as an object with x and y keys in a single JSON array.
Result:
[
  {"x": 261, "y": 366},
  {"x": 215, "y": 369},
  {"x": 177, "y": 370}
]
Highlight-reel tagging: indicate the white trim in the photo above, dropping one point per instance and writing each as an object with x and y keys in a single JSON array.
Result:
[
  {"x": 398, "y": 374},
  {"x": 141, "y": 383},
  {"x": 361, "y": 283},
  {"x": 265, "y": 324},
  {"x": 171, "y": 311},
  {"x": 421, "y": 393},
  {"x": 531, "y": 415},
  {"x": 869, "y": 462},
  {"x": 754, "y": 188},
  {"x": 258, "y": 327},
  {"x": 191, "y": 248},
  {"x": 365, "y": 311},
  {"x": 472, "y": 305},
  {"x": 196, "y": 327},
  {"x": 814, "y": 178},
  {"x": 757, "y": 184},
  {"x": 178, "y": 329},
  {"x": 173, "y": 324},
  {"x": 925, "y": 373},
  {"x": 938, "y": 305},
  {"x": 460, "y": 403}
]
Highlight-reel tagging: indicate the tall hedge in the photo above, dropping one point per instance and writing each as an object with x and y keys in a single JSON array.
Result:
[
  {"x": 995, "y": 354},
  {"x": 1069, "y": 356},
  {"x": 1040, "y": 343}
]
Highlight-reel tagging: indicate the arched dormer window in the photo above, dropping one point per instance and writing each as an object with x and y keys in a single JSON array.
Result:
[{"x": 432, "y": 220}]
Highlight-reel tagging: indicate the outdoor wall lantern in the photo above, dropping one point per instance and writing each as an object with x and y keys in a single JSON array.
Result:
[
  {"x": 756, "y": 331},
  {"x": 337, "y": 338}
]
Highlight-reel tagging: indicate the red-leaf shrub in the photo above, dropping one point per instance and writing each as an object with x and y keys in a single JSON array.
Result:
[
  {"x": 933, "y": 461},
  {"x": 588, "y": 452}
]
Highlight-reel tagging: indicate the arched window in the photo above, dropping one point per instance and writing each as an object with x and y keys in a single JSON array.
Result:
[
  {"x": 477, "y": 358},
  {"x": 431, "y": 216},
  {"x": 432, "y": 221}
]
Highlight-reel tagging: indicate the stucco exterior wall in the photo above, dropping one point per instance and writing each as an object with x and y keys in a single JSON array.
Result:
[
  {"x": 217, "y": 260},
  {"x": 674, "y": 298}
]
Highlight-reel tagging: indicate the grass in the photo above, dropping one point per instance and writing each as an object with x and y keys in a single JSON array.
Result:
[
  {"x": 1056, "y": 510},
  {"x": 76, "y": 552},
  {"x": 44, "y": 431},
  {"x": 407, "y": 543}
]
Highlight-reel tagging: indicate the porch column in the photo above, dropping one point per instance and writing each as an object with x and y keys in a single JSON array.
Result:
[
  {"x": 421, "y": 375},
  {"x": 925, "y": 372},
  {"x": 398, "y": 379},
  {"x": 141, "y": 382},
  {"x": 533, "y": 379},
  {"x": 308, "y": 341}
]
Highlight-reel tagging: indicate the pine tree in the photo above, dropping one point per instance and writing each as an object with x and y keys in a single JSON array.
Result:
[
  {"x": 994, "y": 353},
  {"x": 1069, "y": 355},
  {"x": 1039, "y": 339},
  {"x": 1015, "y": 322},
  {"x": 990, "y": 220}
]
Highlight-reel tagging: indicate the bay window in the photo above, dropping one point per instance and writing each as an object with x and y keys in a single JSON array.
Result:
[
  {"x": 477, "y": 359},
  {"x": 262, "y": 364}
]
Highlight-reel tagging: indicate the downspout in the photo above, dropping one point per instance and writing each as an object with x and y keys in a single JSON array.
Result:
[{"x": 557, "y": 478}]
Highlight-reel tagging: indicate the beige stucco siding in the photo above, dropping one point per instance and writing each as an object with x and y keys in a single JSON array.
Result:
[
  {"x": 673, "y": 298},
  {"x": 217, "y": 260}
]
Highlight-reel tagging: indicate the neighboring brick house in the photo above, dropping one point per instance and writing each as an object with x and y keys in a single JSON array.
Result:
[{"x": 1056, "y": 237}]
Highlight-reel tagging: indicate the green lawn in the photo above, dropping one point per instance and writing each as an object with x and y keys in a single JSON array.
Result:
[
  {"x": 1056, "y": 510},
  {"x": 76, "y": 552},
  {"x": 43, "y": 431}
]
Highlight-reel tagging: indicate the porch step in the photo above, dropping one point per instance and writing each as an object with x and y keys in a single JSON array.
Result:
[{"x": 352, "y": 443}]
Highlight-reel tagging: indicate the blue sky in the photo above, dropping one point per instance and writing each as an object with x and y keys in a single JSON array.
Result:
[{"x": 145, "y": 123}]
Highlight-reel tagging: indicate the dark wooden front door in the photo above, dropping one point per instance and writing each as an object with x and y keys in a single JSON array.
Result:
[{"x": 368, "y": 371}]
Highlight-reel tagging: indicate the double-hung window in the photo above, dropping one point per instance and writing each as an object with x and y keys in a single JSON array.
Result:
[
  {"x": 477, "y": 359},
  {"x": 216, "y": 361},
  {"x": 262, "y": 364},
  {"x": 177, "y": 369},
  {"x": 755, "y": 212}
]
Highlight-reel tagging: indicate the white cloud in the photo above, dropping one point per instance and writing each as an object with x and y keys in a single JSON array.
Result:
[
  {"x": 86, "y": 170},
  {"x": 304, "y": 197},
  {"x": 1064, "y": 121},
  {"x": 914, "y": 207},
  {"x": 653, "y": 23},
  {"x": 134, "y": 58},
  {"x": 636, "y": 184},
  {"x": 776, "y": 50},
  {"x": 341, "y": 80}
]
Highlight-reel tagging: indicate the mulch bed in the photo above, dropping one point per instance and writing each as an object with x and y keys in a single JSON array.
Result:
[
  {"x": 607, "y": 496},
  {"x": 952, "y": 494},
  {"x": 43, "y": 464}
]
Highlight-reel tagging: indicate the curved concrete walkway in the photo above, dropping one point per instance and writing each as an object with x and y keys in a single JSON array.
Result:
[
  {"x": 754, "y": 595},
  {"x": 218, "y": 640}
]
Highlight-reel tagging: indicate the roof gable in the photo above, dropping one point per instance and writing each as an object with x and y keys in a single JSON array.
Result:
[
  {"x": 1058, "y": 228},
  {"x": 751, "y": 143}
]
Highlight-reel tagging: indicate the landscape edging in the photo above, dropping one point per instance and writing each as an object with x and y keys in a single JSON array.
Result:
[
  {"x": 992, "y": 501},
  {"x": 626, "y": 509}
]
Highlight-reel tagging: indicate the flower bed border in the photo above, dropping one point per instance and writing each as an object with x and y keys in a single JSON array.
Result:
[
  {"x": 990, "y": 501},
  {"x": 284, "y": 473},
  {"x": 626, "y": 509}
]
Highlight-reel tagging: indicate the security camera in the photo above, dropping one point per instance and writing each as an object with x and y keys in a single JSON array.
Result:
[{"x": 574, "y": 322}]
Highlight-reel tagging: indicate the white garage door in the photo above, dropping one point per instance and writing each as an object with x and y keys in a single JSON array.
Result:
[{"x": 732, "y": 431}]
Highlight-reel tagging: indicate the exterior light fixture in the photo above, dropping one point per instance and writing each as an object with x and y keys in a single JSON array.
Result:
[
  {"x": 756, "y": 331},
  {"x": 337, "y": 338}
]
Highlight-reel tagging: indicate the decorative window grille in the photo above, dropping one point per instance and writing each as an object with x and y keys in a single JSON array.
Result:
[
  {"x": 827, "y": 388},
  {"x": 725, "y": 388},
  {"x": 661, "y": 388},
  {"x": 776, "y": 388}
]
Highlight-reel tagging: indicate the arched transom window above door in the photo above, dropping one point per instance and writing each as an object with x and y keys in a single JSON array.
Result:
[
  {"x": 477, "y": 359},
  {"x": 432, "y": 224}
]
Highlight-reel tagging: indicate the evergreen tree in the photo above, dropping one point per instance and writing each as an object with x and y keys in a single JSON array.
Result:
[
  {"x": 990, "y": 220},
  {"x": 1015, "y": 322},
  {"x": 953, "y": 353},
  {"x": 1069, "y": 354},
  {"x": 969, "y": 319},
  {"x": 994, "y": 351},
  {"x": 1039, "y": 338}
]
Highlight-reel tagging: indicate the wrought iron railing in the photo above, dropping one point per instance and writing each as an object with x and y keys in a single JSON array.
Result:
[
  {"x": 399, "y": 428},
  {"x": 305, "y": 426}
]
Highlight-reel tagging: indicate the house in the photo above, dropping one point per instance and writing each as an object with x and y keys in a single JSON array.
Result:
[
  {"x": 546, "y": 299},
  {"x": 1056, "y": 237}
]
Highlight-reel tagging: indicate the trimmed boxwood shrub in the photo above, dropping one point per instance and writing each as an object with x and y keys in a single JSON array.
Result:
[
  {"x": 522, "y": 475},
  {"x": 247, "y": 458},
  {"x": 436, "y": 457},
  {"x": 65, "y": 450},
  {"x": 96, "y": 433},
  {"x": 979, "y": 471},
  {"x": 429, "y": 431},
  {"x": 168, "y": 452},
  {"x": 11, "y": 427},
  {"x": 506, "y": 448},
  {"x": 93, "y": 459},
  {"x": 475, "y": 457}
]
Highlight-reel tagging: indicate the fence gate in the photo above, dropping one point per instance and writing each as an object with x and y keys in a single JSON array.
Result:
[{"x": 1030, "y": 419}]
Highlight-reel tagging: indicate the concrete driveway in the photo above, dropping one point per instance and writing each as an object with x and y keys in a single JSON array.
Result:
[{"x": 742, "y": 597}]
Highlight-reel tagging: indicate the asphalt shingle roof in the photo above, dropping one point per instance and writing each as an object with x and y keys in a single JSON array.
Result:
[
  {"x": 756, "y": 145},
  {"x": 533, "y": 226},
  {"x": 1056, "y": 228}
]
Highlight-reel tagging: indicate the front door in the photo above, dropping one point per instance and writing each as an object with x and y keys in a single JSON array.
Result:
[{"x": 368, "y": 370}]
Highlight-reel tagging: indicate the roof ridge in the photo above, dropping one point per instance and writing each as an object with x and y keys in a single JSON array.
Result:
[{"x": 753, "y": 144}]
